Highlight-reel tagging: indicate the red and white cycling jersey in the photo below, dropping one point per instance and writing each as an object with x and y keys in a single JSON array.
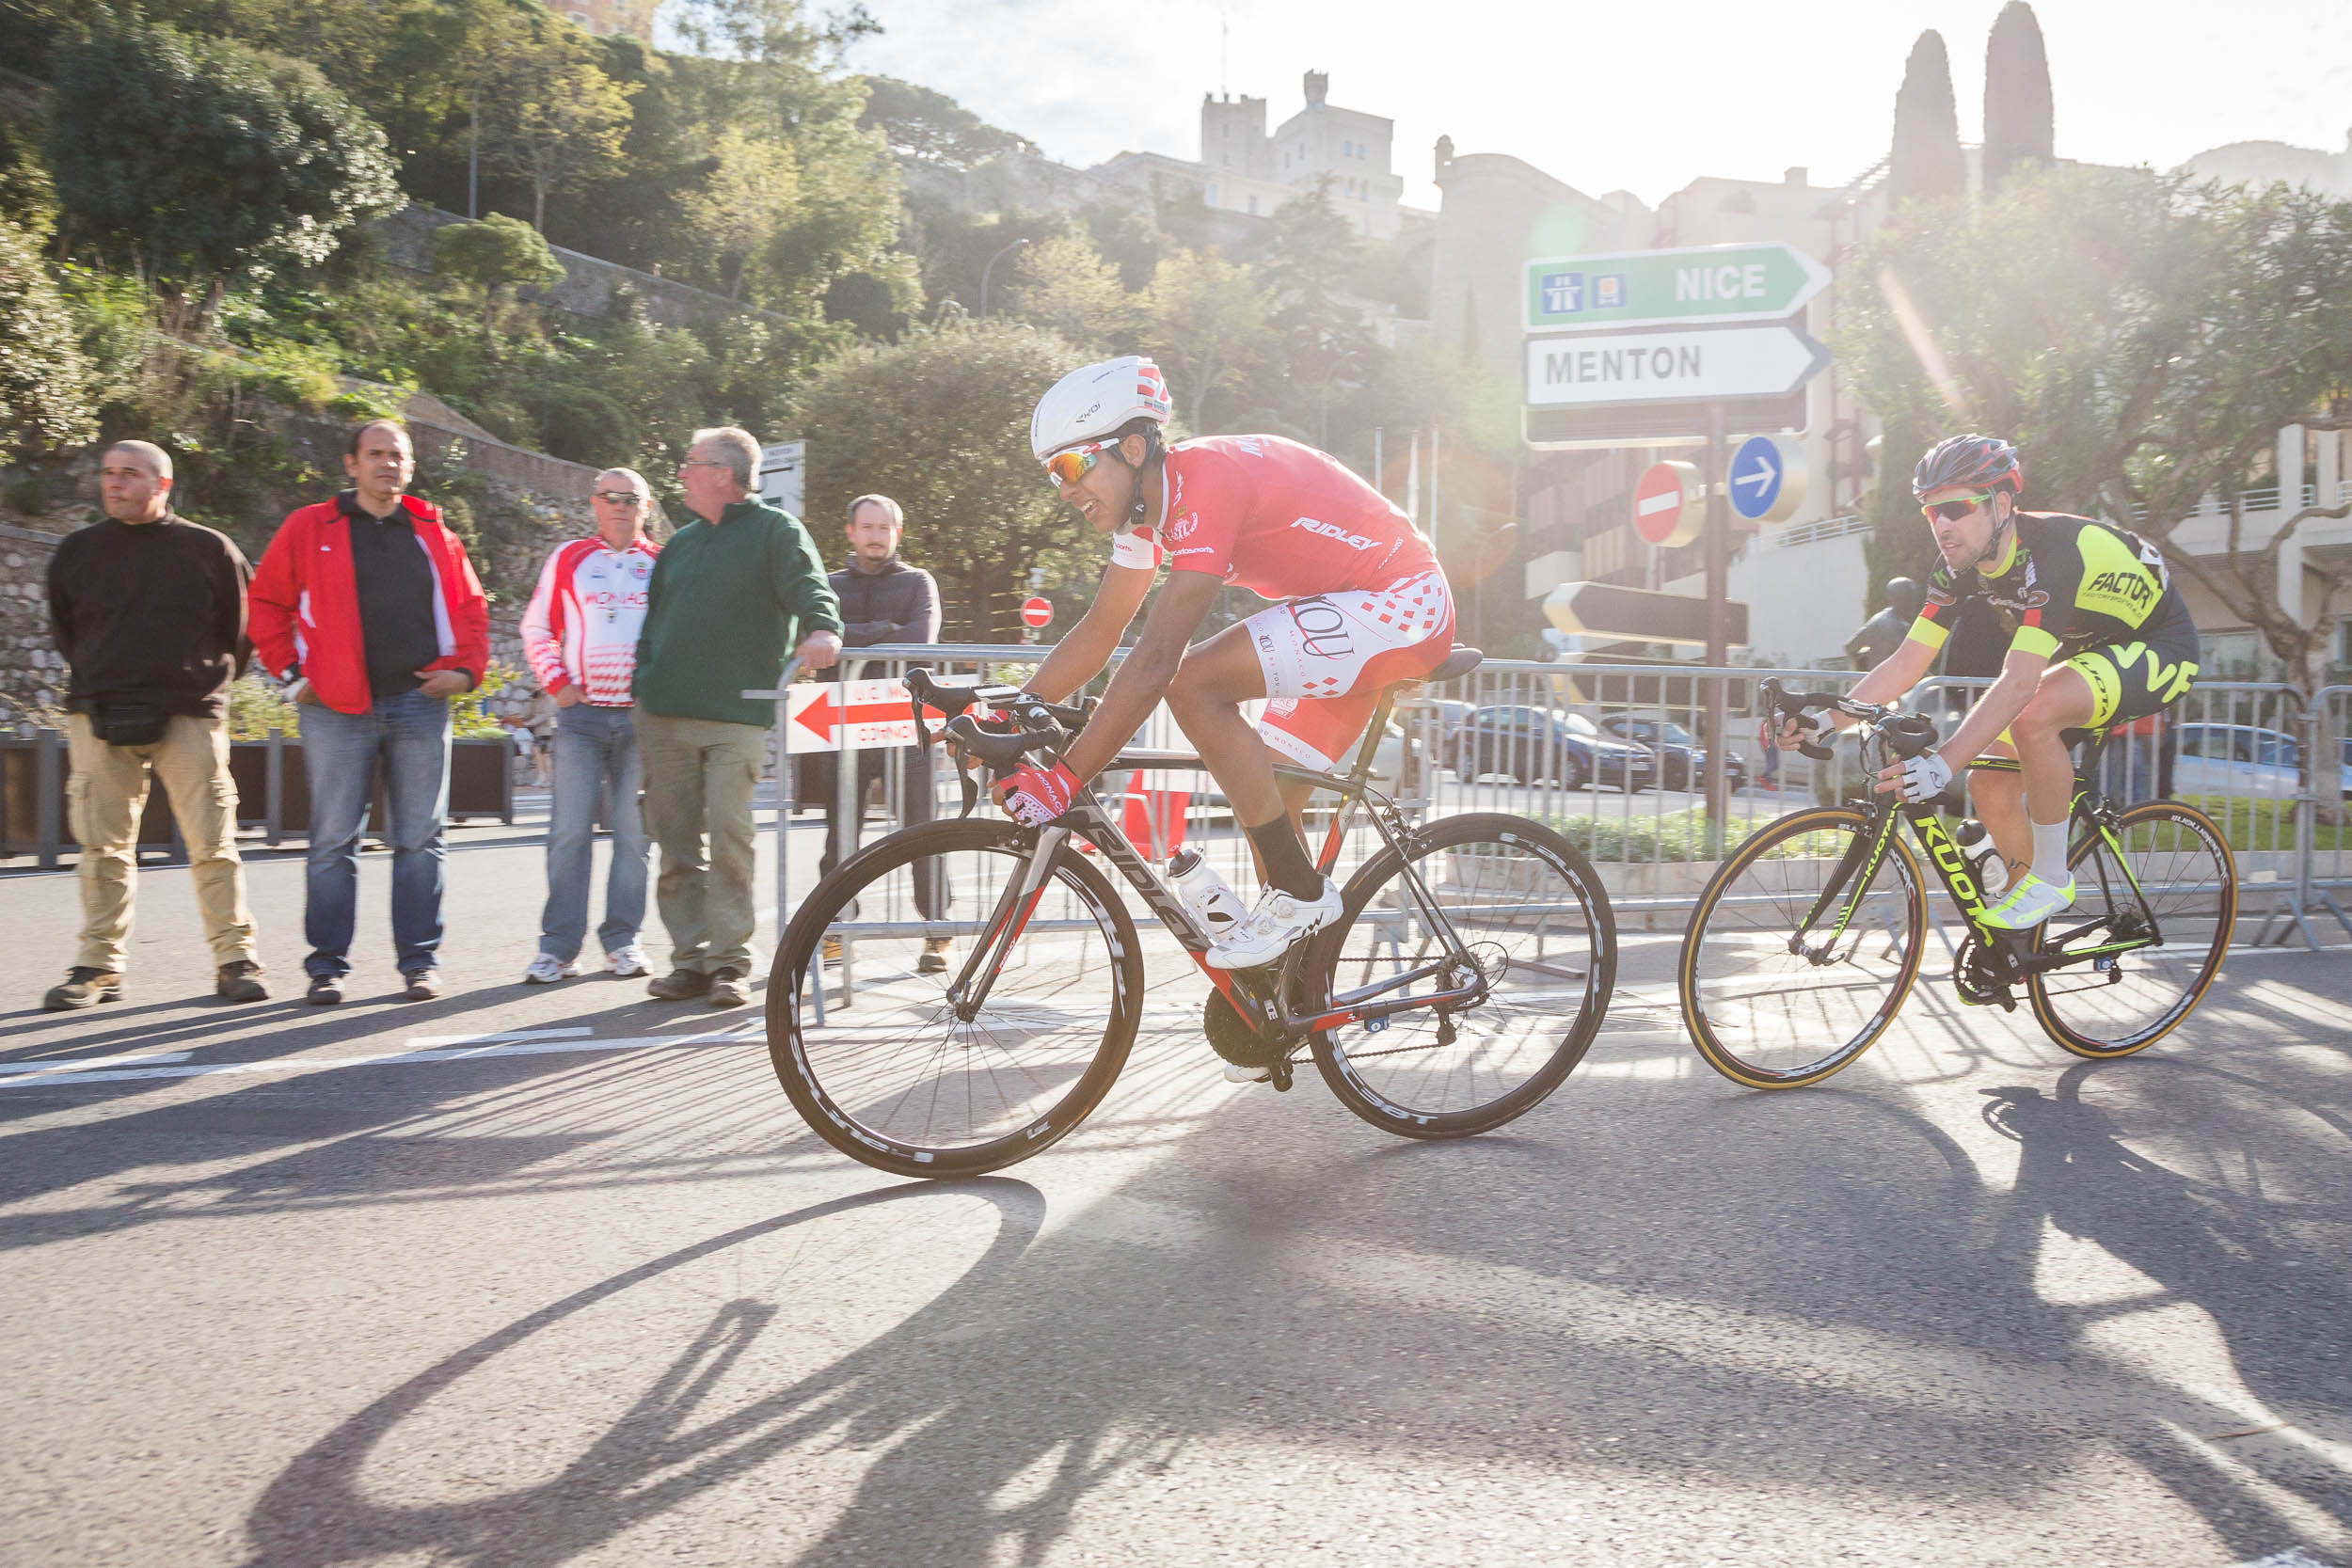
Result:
[
  {"x": 581, "y": 627},
  {"x": 1278, "y": 518}
]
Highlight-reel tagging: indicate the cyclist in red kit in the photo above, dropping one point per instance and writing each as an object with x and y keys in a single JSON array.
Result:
[{"x": 1360, "y": 604}]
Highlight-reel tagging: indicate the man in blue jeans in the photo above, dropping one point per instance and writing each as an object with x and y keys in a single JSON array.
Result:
[
  {"x": 579, "y": 635},
  {"x": 368, "y": 607}
]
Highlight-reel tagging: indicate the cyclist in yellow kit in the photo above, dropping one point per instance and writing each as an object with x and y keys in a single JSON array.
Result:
[{"x": 2099, "y": 636}]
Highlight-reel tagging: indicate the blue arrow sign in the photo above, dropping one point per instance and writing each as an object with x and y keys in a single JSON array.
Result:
[{"x": 1756, "y": 475}]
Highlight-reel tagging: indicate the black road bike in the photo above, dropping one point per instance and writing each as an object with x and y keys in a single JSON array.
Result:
[
  {"x": 1807, "y": 939},
  {"x": 1466, "y": 976}
]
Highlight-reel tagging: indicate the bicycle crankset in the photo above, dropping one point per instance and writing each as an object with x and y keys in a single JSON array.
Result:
[
  {"x": 1983, "y": 974},
  {"x": 1232, "y": 1038}
]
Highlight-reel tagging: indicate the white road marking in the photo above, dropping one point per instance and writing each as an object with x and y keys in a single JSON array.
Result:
[
  {"x": 516, "y": 1043},
  {"x": 62, "y": 1064}
]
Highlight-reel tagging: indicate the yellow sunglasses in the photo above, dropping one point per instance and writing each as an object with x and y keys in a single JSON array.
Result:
[{"x": 1066, "y": 465}]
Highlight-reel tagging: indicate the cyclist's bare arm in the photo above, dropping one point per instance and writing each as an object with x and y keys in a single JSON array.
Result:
[
  {"x": 1144, "y": 674},
  {"x": 1083, "y": 651}
]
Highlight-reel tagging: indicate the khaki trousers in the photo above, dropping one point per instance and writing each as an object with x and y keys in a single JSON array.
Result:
[
  {"x": 104, "y": 796},
  {"x": 699, "y": 777}
]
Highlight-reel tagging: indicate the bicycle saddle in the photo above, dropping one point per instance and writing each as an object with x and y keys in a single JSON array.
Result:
[{"x": 1460, "y": 662}]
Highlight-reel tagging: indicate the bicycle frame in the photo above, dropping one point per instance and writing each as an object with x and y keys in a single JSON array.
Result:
[{"x": 1271, "y": 1014}]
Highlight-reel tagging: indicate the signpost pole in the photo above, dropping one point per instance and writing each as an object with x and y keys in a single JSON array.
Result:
[{"x": 1717, "y": 538}]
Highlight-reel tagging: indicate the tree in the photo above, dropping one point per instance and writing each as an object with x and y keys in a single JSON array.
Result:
[
  {"x": 2017, "y": 106},
  {"x": 1204, "y": 320},
  {"x": 1311, "y": 255},
  {"x": 746, "y": 199},
  {"x": 941, "y": 421},
  {"x": 47, "y": 393},
  {"x": 1063, "y": 286},
  {"x": 1926, "y": 164},
  {"x": 2144, "y": 340},
  {"x": 498, "y": 252},
  {"x": 557, "y": 119},
  {"x": 200, "y": 161},
  {"x": 933, "y": 128}
]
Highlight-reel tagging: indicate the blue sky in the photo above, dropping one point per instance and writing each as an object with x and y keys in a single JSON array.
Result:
[{"x": 1643, "y": 97}]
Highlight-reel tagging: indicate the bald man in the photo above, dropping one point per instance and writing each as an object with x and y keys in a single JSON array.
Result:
[{"x": 149, "y": 611}]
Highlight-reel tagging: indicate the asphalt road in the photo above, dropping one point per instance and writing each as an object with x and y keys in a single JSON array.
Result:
[{"x": 554, "y": 1276}]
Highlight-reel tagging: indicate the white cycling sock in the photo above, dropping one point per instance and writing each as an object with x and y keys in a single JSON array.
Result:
[{"x": 2049, "y": 853}]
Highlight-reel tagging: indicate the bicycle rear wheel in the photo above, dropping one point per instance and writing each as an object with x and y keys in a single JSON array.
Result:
[
  {"x": 1773, "y": 1019},
  {"x": 2182, "y": 866},
  {"x": 1535, "y": 922},
  {"x": 892, "y": 1076}
]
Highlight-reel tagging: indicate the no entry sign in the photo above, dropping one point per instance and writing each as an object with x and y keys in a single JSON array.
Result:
[
  {"x": 1668, "y": 505},
  {"x": 1035, "y": 612}
]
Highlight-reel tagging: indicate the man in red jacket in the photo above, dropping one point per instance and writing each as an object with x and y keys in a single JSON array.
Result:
[{"x": 368, "y": 605}]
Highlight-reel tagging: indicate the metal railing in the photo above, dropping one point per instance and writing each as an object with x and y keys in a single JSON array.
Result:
[{"x": 1614, "y": 757}]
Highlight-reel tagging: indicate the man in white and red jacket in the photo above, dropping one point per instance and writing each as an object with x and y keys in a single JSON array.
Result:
[
  {"x": 581, "y": 637},
  {"x": 368, "y": 604}
]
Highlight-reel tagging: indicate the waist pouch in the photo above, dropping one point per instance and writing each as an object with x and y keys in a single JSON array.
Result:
[{"x": 129, "y": 724}]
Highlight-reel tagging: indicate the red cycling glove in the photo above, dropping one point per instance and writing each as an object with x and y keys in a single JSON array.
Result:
[{"x": 1034, "y": 795}]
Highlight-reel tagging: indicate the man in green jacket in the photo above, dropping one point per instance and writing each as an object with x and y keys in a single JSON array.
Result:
[{"x": 730, "y": 594}]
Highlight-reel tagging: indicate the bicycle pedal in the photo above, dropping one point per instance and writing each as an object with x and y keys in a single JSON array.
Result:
[{"x": 1278, "y": 1074}]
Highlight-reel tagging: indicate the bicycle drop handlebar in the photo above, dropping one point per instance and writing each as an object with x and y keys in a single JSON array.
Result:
[
  {"x": 1035, "y": 725},
  {"x": 1906, "y": 734}
]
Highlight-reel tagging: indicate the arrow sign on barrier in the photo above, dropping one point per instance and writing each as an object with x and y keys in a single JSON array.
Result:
[{"x": 876, "y": 713}]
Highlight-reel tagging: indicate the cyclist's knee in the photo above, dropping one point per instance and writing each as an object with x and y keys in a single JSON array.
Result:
[{"x": 2043, "y": 720}]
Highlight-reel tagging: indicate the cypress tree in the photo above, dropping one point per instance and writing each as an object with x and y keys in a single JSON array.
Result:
[
  {"x": 2017, "y": 111},
  {"x": 1925, "y": 164}
]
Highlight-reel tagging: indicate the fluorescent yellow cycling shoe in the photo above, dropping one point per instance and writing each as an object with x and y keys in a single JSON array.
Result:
[{"x": 2028, "y": 902}]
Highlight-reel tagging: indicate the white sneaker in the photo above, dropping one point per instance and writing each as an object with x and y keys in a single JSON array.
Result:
[
  {"x": 2028, "y": 902},
  {"x": 547, "y": 968},
  {"x": 627, "y": 961},
  {"x": 1237, "y": 1074},
  {"x": 1280, "y": 920}
]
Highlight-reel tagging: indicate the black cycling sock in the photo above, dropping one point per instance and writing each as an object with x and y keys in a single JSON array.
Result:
[{"x": 1284, "y": 859}]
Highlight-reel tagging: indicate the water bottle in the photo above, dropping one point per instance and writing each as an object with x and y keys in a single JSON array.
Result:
[
  {"x": 1986, "y": 865},
  {"x": 1216, "y": 906}
]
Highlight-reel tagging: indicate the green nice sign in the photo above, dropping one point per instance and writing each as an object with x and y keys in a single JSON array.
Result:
[{"x": 1701, "y": 283}]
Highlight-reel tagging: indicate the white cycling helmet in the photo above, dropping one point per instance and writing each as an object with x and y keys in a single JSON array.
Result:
[{"x": 1091, "y": 403}]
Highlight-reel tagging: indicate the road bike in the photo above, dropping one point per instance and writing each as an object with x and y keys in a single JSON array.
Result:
[
  {"x": 1466, "y": 976},
  {"x": 1807, "y": 939}
]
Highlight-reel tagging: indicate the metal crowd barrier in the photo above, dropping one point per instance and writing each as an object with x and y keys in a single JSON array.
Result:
[{"x": 1614, "y": 757}]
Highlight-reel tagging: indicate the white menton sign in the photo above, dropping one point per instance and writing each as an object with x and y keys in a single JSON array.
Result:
[{"x": 1661, "y": 367}]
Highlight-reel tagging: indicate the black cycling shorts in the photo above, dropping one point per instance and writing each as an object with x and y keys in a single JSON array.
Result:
[{"x": 2132, "y": 680}]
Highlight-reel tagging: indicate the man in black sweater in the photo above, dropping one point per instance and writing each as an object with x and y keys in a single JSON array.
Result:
[
  {"x": 149, "y": 611},
  {"x": 883, "y": 600}
]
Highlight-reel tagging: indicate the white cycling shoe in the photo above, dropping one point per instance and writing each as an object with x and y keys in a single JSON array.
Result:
[
  {"x": 1237, "y": 1074},
  {"x": 1280, "y": 920},
  {"x": 2028, "y": 902}
]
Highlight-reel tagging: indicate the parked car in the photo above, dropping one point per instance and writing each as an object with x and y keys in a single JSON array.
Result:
[
  {"x": 1530, "y": 743},
  {"x": 1682, "y": 760},
  {"x": 2244, "y": 759}
]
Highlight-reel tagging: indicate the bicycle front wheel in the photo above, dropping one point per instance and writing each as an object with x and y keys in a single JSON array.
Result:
[
  {"x": 896, "y": 1074},
  {"x": 1772, "y": 1008},
  {"x": 2113, "y": 1002},
  {"x": 1533, "y": 921}
]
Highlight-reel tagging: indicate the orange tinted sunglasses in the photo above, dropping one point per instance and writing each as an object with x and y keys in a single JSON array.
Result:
[{"x": 1066, "y": 465}]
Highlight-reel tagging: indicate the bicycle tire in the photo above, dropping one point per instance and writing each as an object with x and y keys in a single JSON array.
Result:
[
  {"x": 2059, "y": 992},
  {"x": 1376, "y": 1094},
  {"x": 837, "y": 1111},
  {"x": 1736, "y": 937}
]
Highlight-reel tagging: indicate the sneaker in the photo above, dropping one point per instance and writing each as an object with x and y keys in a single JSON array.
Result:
[
  {"x": 2028, "y": 902},
  {"x": 424, "y": 986},
  {"x": 547, "y": 968},
  {"x": 729, "y": 988},
  {"x": 1237, "y": 1074},
  {"x": 678, "y": 985},
  {"x": 934, "y": 958},
  {"x": 240, "y": 981},
  {"x": 1280, "y": 920},
  {"x": 83, "y": 988},
  {"x": 326, "y": 990},
  {"x": 831, "y": 950},
  {"x": 629, "y": 962}
]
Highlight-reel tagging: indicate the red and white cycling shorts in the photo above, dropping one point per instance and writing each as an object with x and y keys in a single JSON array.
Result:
[{"x": 1327, "y": 658}]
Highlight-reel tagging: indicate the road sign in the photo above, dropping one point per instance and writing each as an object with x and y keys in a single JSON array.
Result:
[
  {"x": 1637, "y": 615},
  {"x": 878, "y": 713},
  {"x": 1669, "y": 506},
  {"x": 783, "y": 467},
  {"x": 1610, "y": 426},
  {"x": 1709, "y": 364},
  {"x": 1767, "y": 479},
  {"x": 1701, "y": 283},
  {"x": 1037, "y": 612}
]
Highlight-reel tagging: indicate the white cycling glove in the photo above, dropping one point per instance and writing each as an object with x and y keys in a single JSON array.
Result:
[{"x": 1925, "y": 777}]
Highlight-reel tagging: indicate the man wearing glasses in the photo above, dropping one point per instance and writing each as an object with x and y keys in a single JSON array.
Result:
[
  {"x": 731, "y": 594},
  {"x": 2098, "y": 635},
  {"x": 579, "y": 635}
]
